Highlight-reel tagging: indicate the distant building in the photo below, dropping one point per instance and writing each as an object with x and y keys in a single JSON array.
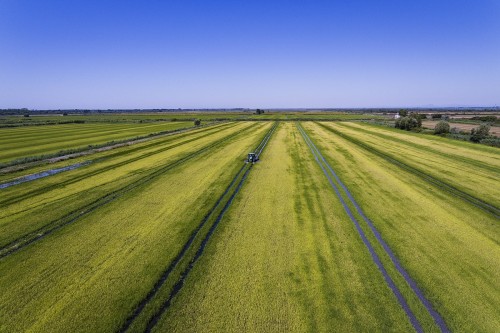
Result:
[{"x": 397, "y": 116}]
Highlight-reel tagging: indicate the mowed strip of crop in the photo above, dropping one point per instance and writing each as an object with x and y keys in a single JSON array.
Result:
[
  {"x": 455, "y": 164},
  {"x": 29, "y": 208},
  {"x": 20, "y": 142},
  {"x": 447, "y": 245},
  {"x": 90, "y": 275},
  {"x": 285, "y": 258}
]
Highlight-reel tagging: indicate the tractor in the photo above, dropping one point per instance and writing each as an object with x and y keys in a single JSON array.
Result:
[{"x": 252, "y": 158}]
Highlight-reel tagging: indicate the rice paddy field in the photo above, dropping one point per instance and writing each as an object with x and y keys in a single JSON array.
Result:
[
  {"x": 152, "y": 117},
  {"x": 22, "y": 142},
  {"x": 340, "y": 226}
]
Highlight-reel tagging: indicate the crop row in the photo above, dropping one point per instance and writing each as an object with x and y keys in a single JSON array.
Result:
[
  {"x": 285, "y": 258},
  {"x": 90, "y": 275},
  {"x": 443, "y": 169},
  {"x": 16, "y": 143},
  {"x": 337, "y": 184},
  {"x": 377, "y": 245},
  {"x": 447, "y": 245},
  {"x": 53, "y": 197},
  {"x": 26, "y": 169},
  {"x": 288, "y": 258},
  {"x": 147, "y": 313},
  {"x": 41, "y": 223}
]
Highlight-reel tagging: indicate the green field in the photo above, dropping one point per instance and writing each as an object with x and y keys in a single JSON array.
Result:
[
  {"x": 340, "y": 226},
  {"x": 129, "y": 117},
  {"x": 22, "y": 142},
  {"x": 152, "y": 117}
]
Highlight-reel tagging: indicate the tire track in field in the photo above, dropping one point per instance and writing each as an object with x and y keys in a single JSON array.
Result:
[
  {"x": 161, "y": 281},
  {"x": 117, "y": 154},
  {"x": 74, "y": 216},
  {"x": 241, "y": 176},
  {"x": 495, "y": 211},
  {"x": 413, "y": 285}
]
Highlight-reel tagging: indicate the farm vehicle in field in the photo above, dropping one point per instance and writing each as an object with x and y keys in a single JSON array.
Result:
[{"x": 252, "y": 158}]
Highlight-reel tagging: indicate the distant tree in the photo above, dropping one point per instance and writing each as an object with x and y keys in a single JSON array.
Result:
[
  {"x": 480, "y": 133},
  {"x": 26, "y": 115},
  {"x": 418, "y": 117},
  {"x": 259, "y": 111},
  {"x": 406, "y": 123},
  {"x": 197, "y": 122},
  {"x": 65, "y": 114},
  {"x": 442, "y": 127},
  {"x": 436, "y": 116},
  {"x": 403, "y": 113},
  {"x": 490, "y": 119}
]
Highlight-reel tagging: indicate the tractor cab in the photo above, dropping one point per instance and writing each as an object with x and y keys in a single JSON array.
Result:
[{"x": 252, "y": 158}]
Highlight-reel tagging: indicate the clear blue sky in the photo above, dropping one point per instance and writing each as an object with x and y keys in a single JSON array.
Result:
[{"x": 248, "y": 53}]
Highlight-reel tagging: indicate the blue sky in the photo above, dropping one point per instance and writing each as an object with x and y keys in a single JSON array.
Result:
[{"x": 268, "y": 54}]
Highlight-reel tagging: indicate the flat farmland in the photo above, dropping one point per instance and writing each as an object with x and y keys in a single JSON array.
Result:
[
  {"x": 20, "y": 142},
  {"x": 127, "y": 117},
  {"x": 340, "y": 226}
]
